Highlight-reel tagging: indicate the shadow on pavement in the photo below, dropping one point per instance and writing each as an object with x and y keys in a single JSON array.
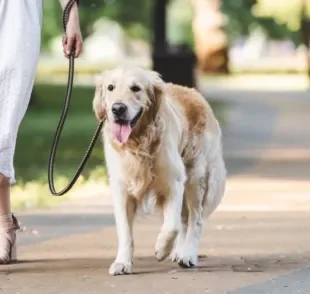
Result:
[{"x": 148, "y": 265}]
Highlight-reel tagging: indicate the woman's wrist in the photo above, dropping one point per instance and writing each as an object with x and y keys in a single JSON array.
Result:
[
  {"x": 63, "y": 4},
  {"x": 74, "y": 12}
]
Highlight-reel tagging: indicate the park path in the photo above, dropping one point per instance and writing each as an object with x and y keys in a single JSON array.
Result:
[{"x": 256, "y": 242}]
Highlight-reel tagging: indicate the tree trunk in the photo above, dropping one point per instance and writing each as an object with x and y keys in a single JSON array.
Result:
[
  {"x": 211, "y": 45},
  {"x": 305, "y": 35}
]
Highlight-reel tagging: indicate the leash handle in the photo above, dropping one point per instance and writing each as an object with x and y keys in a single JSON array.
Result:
[
  {"x": 65, "y": 19},
  {"x": 62, "y": 120}
]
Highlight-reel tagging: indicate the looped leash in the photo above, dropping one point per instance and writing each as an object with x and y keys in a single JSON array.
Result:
[{"x": 62, "y": 120}]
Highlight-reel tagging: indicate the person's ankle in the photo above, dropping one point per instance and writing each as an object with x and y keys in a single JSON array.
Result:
[
  {"x": 5, "y": 209},
  {"x": 6, "y": 221},
  {"x": 4, "y": 181}
]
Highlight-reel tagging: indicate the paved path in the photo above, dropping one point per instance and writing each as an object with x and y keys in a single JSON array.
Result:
[
  {"x": 297, "y": 282},
  {"x": 256, "y": 242}
]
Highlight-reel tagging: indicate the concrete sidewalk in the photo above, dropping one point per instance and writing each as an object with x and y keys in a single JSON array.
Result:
[{"x": 238, "y": 249}]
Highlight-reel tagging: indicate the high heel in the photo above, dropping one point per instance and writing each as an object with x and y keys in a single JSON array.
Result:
[{"x": 8, "y": 248}]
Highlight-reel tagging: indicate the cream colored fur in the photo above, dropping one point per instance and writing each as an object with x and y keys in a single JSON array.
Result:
[{"x": 174, "y": 153}]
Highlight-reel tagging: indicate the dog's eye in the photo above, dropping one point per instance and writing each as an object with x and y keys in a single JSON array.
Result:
[
  {"x": 135, "y": 88},
  {"x": 110, "y": 87}
]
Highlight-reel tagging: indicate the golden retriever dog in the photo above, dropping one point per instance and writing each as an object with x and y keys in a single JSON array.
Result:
[{"x": 162, "y": 142}]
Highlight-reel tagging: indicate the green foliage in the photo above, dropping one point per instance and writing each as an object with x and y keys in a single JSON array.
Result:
[
  {"x": 52, "y": 24},
  {"x": 179, "y": 23},
  {"x": 286, "y": 12},
  {"x": 129, "y": 12},
  {"x": 240, "y": 21},
  {"x": 89, "y": 12},
  {"x": 132, "y": 15},
  {"x": 38, "y": 128},
  {"x": 279, "y": 19},
  {"x": 34, "y": 144}
]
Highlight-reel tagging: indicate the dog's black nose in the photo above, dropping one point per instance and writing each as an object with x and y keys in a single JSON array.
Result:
[{"x": 119, "y": 108}]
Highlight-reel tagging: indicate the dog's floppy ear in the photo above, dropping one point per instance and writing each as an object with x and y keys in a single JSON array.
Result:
[
  {"x": 98, "y": 102},
  {"x": 156, "y": 91}
]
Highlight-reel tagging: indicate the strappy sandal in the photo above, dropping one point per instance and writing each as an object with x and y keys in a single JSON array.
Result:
[{"x": 8, "y": 240}]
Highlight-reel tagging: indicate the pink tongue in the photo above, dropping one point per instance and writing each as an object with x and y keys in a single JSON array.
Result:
[{"x": 121, "y": 132}]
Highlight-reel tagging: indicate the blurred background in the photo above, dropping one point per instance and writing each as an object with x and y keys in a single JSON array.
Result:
[{"x": 250, "y": 59}]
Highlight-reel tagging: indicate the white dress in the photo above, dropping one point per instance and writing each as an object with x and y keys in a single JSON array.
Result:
[{"x": 20, "y": 38}]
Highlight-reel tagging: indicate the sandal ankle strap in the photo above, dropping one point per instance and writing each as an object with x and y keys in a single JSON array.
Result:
[
  {"x": 10, "y": 218},
  {"x": 16, "y": 224}
]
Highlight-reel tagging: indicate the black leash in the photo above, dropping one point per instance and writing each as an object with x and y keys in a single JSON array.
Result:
[{"x": 62, "y": 120}]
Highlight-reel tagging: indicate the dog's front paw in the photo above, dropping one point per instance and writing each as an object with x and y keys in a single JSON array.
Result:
[
  {"x": 164, "y": 244},
  {"x": 119, "y": 268},
  {"x": 188, "y": 258}
]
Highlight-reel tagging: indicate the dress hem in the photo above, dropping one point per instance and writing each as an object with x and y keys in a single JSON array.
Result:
[{"x": 9, "y": 175}]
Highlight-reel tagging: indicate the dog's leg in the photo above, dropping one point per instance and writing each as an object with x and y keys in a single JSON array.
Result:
[
  {"x": 194, "y": 193},
  {"x": 216, "y": 184},
  {"x": 180, "y": 241},
  {"x": 124, "y": 211},
  {"x": 172, "y": 220}
]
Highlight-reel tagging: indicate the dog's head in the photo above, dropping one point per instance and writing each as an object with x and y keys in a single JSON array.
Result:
[{"x": 125, "y": 96}]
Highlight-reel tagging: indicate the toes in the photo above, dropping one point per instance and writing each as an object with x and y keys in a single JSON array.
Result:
[
  {"x": 185, "y": 263},
  {"x": 118, "y": 268},
  {"x": 188, "y": 259},
  {"x": 174, "y": 256}
]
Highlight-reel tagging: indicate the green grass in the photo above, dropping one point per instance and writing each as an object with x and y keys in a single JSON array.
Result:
[
  {"x": 38, "y": 128},
  {"x": 35, "y": 138},
  {"x": 34, "y": 143}
]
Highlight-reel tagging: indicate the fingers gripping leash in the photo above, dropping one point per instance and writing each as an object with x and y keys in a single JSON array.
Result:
[{"x": 62, "y": 120}]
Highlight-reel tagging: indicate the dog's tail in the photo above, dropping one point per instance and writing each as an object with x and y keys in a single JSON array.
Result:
[{"x": 216, "y": 173}]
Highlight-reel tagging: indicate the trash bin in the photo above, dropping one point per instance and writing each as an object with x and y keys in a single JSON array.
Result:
[{"x": 176, "y": 64}]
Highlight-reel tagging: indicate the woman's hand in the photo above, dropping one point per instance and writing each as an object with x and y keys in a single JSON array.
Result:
[{"x": 73, "y": 39}]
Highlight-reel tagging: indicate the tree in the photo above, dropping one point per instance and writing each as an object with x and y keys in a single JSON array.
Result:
[
  {"x": 239, "y": 19},
  {"x": 305, "y": 33},
  {"x": 279, "y": 19},
  {"x": 211, "y": 44}
]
